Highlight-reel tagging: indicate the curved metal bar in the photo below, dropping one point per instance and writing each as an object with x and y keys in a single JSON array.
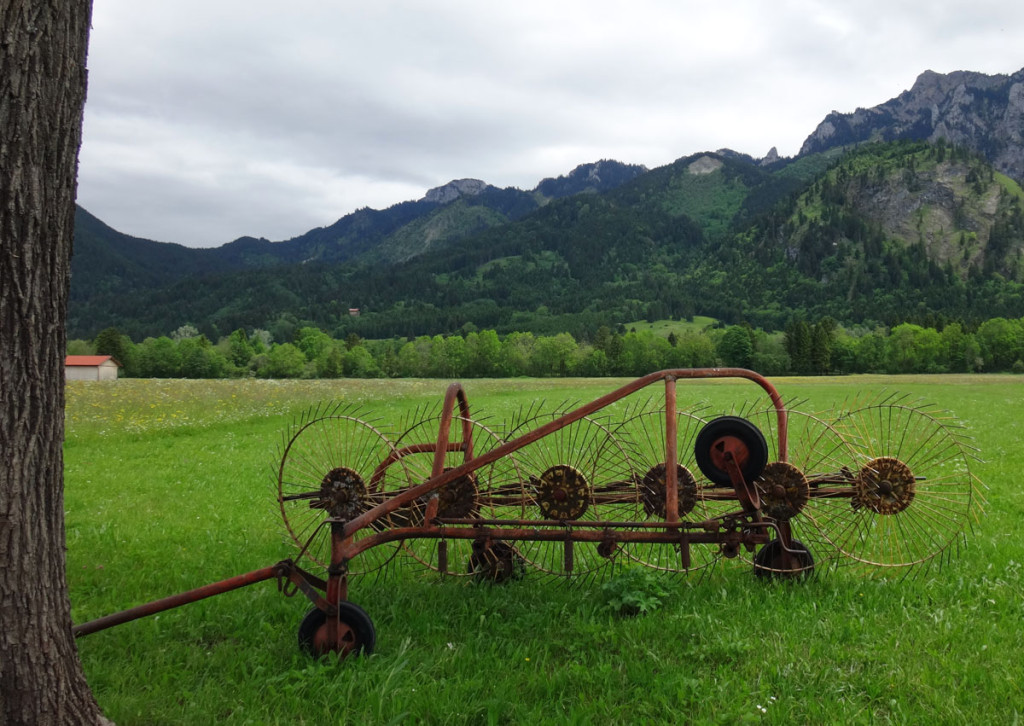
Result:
[
  {"x": 397, "y": 454},
  {"x": 455, "y": 393}
]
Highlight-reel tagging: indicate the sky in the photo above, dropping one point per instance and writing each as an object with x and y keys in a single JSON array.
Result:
[{"x": 215, "y": 119}]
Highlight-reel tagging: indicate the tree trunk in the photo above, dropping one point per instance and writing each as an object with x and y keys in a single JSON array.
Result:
[{"x": 42, "y": 93}]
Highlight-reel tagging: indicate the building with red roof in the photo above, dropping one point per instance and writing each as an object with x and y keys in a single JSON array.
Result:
[{"x": 90, "y": 368}]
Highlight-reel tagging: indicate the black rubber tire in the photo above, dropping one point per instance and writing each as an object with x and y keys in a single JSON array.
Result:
[
  {"x": 365, "y": 635},
  {"x": 743, "y": 430},
  {"x": 767, "y": 561}
]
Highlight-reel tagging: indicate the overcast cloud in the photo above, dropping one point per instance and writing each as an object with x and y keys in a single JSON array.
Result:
[{"x": 209, "y": 120}]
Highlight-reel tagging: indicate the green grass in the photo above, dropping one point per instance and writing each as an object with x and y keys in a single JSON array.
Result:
[
  {"x": 665, "y": 327},
  {"x": 168, "y": 487},
  {"x": 1010, "y": 185}
]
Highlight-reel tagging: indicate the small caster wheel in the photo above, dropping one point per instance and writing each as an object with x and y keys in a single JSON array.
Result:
[
  {"x": 772, "y": 563},
  {"x": 356, "y": 634}
]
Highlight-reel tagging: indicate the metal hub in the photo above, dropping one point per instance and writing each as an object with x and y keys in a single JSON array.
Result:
[
  {"x": 342, "y": 493},
  {"x": 783, "y": 490},
  {"x": 457, "y": 499},
  {"x": 562, "y": 493},
  {"x": 885, "y": 485},
  {"x": 346, "y": 642},
  {"x": 652, "y": 491}
]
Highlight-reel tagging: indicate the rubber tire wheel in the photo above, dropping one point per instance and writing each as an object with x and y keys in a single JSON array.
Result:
[
  {"x": 767, "y": 556},
  {"x": 741, "y": 429},
  {"x": 351, "y": 615}
]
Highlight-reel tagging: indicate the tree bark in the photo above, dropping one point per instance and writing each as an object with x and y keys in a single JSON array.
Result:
[{"x": 42, "y": 93}]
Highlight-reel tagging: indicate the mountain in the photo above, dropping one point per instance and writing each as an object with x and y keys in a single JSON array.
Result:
[
  {"x": 982, "y": 112},
  {"x": 455, "y": 189},
  {"x": 910, "y": 227},
  {"x": 884, "y": 233},
  {"x": 899, "y": 231},
  {"x": 107, "y": 261}
]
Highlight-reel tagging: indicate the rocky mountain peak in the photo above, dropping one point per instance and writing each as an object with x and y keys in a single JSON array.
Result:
[
  {"x": 454, "y": 189},
  {"x": 982, "y": 112},
  {"x": 931, "y": 88},
  {"x": 704, "y": 165},
  {"x": 771, "y": 157}
]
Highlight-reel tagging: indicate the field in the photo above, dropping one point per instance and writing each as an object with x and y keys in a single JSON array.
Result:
[
  {"x": 169, "y": 486},
  {"x": 665, "y": 327}
]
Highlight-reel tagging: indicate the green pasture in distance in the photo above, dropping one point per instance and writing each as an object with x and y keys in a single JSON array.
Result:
[
  {"x": 666, "y": 327},
  {"x": 169, "y": 486}
]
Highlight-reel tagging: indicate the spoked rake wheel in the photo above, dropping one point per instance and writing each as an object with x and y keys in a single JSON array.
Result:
[
  {"x": 327, "y": 466},
  {"x": 796, "y": 492},
  {"x": 644, "y": 434},
  {"x": 493, "y": 491},
  {"x": 579, "y": 472},
  {"x": 910, "y": 494}
]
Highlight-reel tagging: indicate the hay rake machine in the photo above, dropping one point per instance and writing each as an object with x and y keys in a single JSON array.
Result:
[{"x": 622, "y": 479}]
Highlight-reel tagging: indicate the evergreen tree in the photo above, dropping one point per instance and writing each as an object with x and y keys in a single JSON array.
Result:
[
  {"x": 798, "y": 344},
  {"x": 822, "y": 340},
  {"x": 111, "y": 342}
]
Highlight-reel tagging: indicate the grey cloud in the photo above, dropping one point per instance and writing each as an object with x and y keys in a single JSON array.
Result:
[{"x": 208, "y": 121}]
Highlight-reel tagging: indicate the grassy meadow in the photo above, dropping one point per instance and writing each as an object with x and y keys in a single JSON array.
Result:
[
  {"x": 169, "y": 485},
  {"x": 679, "y": 327}
]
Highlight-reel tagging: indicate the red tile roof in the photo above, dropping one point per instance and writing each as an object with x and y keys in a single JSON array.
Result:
[{"x": 88, "y": 360}]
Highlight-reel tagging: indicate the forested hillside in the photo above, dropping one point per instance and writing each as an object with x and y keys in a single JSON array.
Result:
[{"x": 883, "y": 233}]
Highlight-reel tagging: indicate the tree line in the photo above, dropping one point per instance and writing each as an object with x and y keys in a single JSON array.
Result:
[{"x": 803, "y": 348}]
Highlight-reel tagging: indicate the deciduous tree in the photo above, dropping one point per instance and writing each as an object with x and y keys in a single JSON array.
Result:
[
  {"x": 42, "y": 93},
  {"x": 735, "y": 347}
]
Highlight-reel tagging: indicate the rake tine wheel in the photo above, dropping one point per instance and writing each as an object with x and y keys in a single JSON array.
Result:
[
  {"x": 493, "y": 491},
  {"x": 817, "y": 453},
  {"x": 579, "y": 472},
  {"x": 327, "y": 461},
  {"x": 644, "y": 434},
  {"x": 910, "y": 493}
]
